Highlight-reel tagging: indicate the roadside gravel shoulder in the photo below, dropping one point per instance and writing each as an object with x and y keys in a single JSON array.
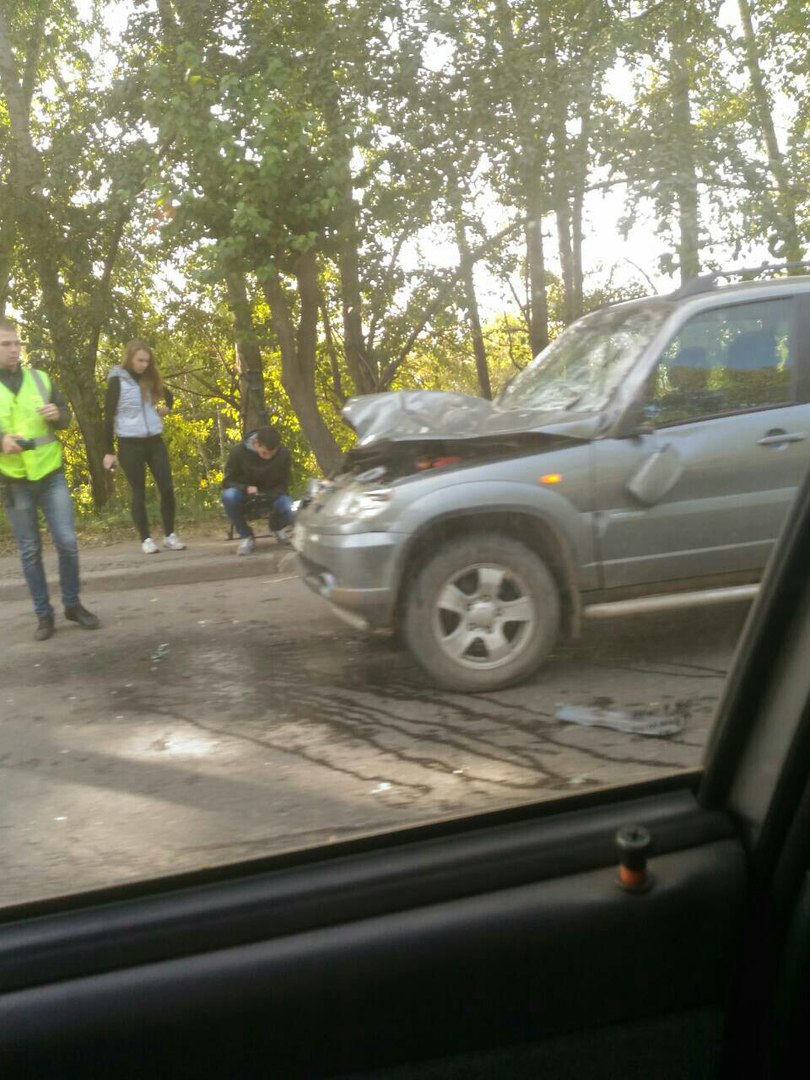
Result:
[{"x": 122, "y": 565}]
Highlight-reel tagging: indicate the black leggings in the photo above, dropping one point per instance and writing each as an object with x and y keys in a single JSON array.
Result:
[{"x": 133, "y": 456}]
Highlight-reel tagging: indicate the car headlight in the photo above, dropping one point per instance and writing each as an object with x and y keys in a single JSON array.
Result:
[{"x": 362, "y": 504}]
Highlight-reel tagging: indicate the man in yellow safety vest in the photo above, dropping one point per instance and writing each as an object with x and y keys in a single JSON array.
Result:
[{"x": 32, "y": 479}]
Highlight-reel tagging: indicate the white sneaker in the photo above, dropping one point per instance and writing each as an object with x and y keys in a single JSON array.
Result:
[
  {"x": 149, "y": 547},
  {"x": 284, "y": 536},
  {"x": 246, "y": 546},
  {"x": 174, "y": 543}
]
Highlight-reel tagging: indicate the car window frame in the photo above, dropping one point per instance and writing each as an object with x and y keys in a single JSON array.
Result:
[
  {"x": 794, "y": 366},
  {"x": 695, "y": 812}
]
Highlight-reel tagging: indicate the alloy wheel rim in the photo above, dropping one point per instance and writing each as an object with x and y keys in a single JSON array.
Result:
[{"x": 484, "y": 616}]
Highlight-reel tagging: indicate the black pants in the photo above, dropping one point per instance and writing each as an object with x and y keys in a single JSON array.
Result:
[{"x": 133, "y": 456}]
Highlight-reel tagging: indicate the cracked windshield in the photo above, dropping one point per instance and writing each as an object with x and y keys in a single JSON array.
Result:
[{"x": 399, "y": 405}]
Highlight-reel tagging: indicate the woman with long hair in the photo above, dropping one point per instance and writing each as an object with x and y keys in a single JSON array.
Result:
[{"x": 134, "y": 407}]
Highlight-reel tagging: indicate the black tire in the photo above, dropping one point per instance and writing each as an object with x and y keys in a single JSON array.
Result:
[{"x": 456, "y": 616}]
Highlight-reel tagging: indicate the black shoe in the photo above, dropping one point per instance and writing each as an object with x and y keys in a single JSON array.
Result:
[
  {"x": 44, "y": 628},
  {"x": 86, "y": 619}
]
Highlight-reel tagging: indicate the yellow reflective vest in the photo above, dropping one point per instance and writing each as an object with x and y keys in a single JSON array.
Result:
[{"x": 19, "y": 416}]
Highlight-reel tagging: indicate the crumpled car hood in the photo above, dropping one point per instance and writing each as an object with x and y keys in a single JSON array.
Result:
[{"x": 427, "y": 414}]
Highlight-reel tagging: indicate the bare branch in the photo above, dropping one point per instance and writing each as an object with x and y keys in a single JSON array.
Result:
[{"x": 450, "y": 283}]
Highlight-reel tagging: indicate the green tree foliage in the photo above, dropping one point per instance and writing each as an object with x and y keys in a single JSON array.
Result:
[
  {"x": 697, "y": 139},
  {"x": 773, "y": 46},
  {"x": 67, "y": 198},
  {"x": 295, "y": 201}
]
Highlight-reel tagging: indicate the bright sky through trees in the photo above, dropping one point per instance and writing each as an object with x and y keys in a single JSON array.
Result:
[{"x": 304, "y": 200}]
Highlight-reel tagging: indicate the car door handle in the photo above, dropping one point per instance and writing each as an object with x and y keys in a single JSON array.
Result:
[{"x": 775, "y": 438}]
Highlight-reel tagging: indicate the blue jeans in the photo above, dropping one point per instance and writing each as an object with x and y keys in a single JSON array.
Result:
[
  {"x": 26, "y": 499},
  {"x": 234, "y": 500}
]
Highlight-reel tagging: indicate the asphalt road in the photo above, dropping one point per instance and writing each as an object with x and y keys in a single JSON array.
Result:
[{"x": 216, "y": 721}]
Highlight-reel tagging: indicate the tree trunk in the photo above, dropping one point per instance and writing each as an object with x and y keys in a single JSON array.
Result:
[
  {"x": 7, "y": 241},
  {"x": 536, "y": 273},
  {"x": 471, "y": 303},
  {"x": 787, "y": 244},
  {"x": 80, "y": 388},
  {"x": 358, "y": 361},
  {"x": 331, "y": 348},
  {"x": 577, "y": 204},
  {"x": 252, "y": 404},
  {"x": 556, "y": 76},
  {"x": 562, "y": 214},
  {"x": 580, "y": 161},
  {"x": 362, "y": 371},
  {"x": 223, "y": 442},
  {"x": 299, "y": 354},
  {"x": 532, "y": 160},
  {"x": 73, "y": 369},
  {"x": 685, "y": 175}
]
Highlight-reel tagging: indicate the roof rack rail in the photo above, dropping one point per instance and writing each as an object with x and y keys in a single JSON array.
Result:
[{"x": 706, "y": 282}]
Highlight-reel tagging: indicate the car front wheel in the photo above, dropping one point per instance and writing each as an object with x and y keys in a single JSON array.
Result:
[{"x": 482, "y": 613}]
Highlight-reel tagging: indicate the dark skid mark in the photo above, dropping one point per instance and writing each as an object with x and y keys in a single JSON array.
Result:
[
  {"x": 285, "y": 686},
  {"x": 270, "y": 744},
  {"x": 364, "y": 689},
  {"x": 492, "y": 752}
]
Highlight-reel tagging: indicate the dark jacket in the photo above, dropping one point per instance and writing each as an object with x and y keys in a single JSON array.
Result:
[{"x": 245, "y": 468}]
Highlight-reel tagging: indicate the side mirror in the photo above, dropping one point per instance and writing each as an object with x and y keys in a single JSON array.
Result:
[
  {"x": 657, "y": 476},
  {"x": 635, "y": 422}
]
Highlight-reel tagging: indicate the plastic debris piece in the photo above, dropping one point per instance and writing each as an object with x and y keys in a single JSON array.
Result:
[
  {"x": 636, "y": 723},
  {"x": 160, "y": 651},
  {"x": 381, "y": 787}
]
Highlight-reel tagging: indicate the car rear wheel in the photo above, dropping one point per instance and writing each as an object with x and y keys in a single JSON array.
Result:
[{"x": 482, "y": 614}]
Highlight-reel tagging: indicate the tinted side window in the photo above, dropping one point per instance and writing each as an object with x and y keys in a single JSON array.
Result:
[{"x": 725, "y": 360}]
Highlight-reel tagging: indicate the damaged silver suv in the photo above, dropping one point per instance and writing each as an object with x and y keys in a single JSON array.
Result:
[{"x": 644, "y": 460}]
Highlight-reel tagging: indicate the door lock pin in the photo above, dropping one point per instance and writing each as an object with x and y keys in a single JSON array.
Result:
[{"x": 634, "y": 843}]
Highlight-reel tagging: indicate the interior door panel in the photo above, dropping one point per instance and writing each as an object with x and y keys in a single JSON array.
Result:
[{"x": 514, "y": 943}]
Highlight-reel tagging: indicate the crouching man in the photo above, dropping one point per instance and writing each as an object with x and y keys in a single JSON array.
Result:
[
  {"x": 32, "y": 480},
  {"x": 256, "y": 481}
]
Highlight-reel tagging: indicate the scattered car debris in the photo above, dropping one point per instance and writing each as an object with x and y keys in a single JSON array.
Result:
[{"x": 635, "y": 723}]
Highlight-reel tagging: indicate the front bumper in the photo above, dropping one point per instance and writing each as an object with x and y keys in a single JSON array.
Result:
[{"x": 354, "y": 572}]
